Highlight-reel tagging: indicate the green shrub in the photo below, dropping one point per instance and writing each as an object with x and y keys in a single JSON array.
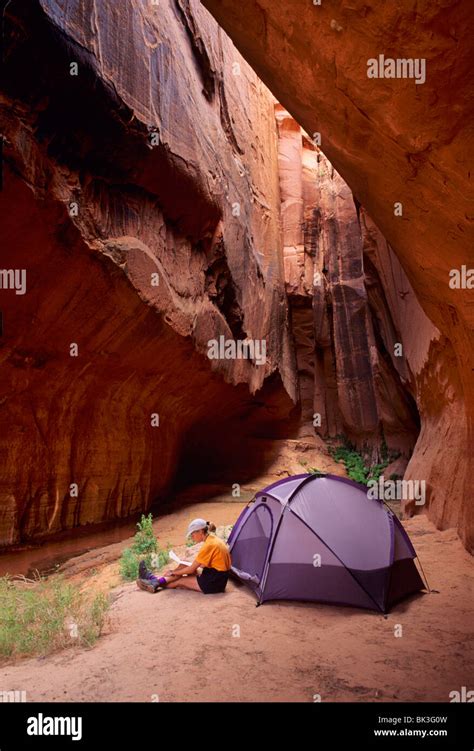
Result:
[
  {"x": 129, "y": 564},
  {"x": 145, "y": 542},
  {"x": 39, "y": 617},
  {"x": 356, "y": 466},
  {"x": 144, "y": 547},
  {"x": 377, "y": 470},
  {"x": 353, "y": 462}
]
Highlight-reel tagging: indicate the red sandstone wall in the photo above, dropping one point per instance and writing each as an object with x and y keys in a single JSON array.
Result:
[
  {"x": 347, "y": 375},
  {"x": 394, "y": 141},
  {"x": 200, "y": 208}
]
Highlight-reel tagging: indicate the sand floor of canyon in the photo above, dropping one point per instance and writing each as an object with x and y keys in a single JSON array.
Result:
[{"x": 182, "y": 646}]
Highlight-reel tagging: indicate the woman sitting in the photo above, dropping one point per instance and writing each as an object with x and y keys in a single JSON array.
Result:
[{"x": 213, "y": 557}]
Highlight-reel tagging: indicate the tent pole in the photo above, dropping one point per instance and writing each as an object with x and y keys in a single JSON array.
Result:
[
  {"x": 430, "y": 591},
  {"x": 424, "y": 577}
]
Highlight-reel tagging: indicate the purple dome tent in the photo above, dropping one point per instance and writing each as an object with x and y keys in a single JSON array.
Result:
[{"x": 320, "y": 538}]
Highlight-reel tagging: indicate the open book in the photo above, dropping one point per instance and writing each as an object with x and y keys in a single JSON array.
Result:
[{"x": 175, "y": 558}]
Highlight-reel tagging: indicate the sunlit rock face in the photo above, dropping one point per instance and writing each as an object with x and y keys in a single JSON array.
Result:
[
  {"x": 141, "y": 197},
  {"x": 431, "y": 373},
  {"x": 394, "y": 141},
  {"x": 353, "y": 379}
]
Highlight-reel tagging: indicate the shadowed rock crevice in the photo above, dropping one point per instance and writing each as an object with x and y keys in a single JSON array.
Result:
[
  {"x": 198, "y": 47},
  {"x": 220, "y": 290}
]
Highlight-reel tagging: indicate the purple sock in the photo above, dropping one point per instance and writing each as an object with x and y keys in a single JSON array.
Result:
[{"x": 162, "y": 581}]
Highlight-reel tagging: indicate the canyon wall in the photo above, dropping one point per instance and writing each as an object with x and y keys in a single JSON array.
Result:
[
  {"x": 367, "y": 352},
  {"x": 148, "y": 199},
  {"x": 394, "y": 141},
  {"x": 141, "y": 198},
  {"x": 350, "y": 383}
]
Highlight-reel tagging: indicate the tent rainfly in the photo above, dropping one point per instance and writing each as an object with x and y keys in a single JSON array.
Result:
[{"x": 320, "y": 538}]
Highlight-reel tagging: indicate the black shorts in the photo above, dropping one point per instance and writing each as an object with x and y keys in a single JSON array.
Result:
[{"x": 212, "y": 581}]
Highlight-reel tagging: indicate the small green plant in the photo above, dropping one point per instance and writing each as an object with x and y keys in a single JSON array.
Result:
[
  {"x": 160, "y": 558},
  {"x": 145, "y": 542},
  {"x": 315, "y": 471},
  {"x": 377, "y": 469},
  {"x": 129, "y": 565},
  {"x": 355, "y": 463},
  {"x": 40, "y": 616},
  {"x": 144, "y": 547}
]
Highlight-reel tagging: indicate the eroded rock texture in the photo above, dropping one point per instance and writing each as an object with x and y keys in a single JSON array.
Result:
[
  {"x": 394, "y": 141},
  {"x": 430, "y": 376},
  {"x": 160, "y": 160},
  {"x": 157, "y": 158},
  {"x": 350, "y": 377}
]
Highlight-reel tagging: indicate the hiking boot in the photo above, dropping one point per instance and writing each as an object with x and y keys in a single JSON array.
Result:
[
  {"x": 148, "y": 578},
  {"x": 148, "y": 585},
  {"x": 143, "y": 572}
]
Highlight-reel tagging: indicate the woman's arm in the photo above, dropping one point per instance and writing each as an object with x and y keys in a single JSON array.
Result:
[
  {"x": 182, "y": 569},
  {"x": 191, "y": 569},
  {"x": 179, "y": 568}
]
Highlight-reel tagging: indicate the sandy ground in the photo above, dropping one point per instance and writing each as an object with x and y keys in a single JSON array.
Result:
[{"x": 179, "y": 645}]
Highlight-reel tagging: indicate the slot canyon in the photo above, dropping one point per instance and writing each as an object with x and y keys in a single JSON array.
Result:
[{"x": 163, "y": 188}]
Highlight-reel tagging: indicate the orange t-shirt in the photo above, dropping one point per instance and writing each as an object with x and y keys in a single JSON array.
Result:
[{"x": 214, "y": 553}]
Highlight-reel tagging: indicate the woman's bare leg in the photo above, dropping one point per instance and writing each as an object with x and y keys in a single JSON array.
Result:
[
  {"x": 185, "y": 582},
  {"x": 170, "y": 579}
]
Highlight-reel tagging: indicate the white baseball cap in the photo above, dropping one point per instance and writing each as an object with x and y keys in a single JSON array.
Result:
[{"x": 195, "y": 525}]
